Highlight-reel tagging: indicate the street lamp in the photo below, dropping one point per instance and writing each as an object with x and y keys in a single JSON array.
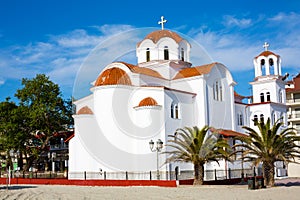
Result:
[{"x": 157, "y": 149}]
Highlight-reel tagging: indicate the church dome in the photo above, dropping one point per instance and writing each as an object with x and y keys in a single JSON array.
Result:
[
  {"x": 149, "y": 101},
  {"x": 84, "y": 111},
  {"x": 113, "y": 76},
  {"x": 155, "y": 36}
]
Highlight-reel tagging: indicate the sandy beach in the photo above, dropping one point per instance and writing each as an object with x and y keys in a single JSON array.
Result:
[{"x": 285, "y": 190}]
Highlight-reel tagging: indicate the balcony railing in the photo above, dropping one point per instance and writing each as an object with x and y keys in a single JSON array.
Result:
[
  {"x": 293, "y": 100},
  {"x": 294, "y": 116}
]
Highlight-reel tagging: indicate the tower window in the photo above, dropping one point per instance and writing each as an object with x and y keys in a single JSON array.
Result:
[
  {"x": 268, "y": 96},
  {"x": 255, "y": 120},
  {"x": 166, "y": 53},
  {"x": 262, "y": 97},
  {"x": 262, "y": 62},
  {"x": 262, "y": 118},
  {"x": 147, "y": 54},
  {"x": 271, "y": 62},
  {"x": 182, "y": 54}
]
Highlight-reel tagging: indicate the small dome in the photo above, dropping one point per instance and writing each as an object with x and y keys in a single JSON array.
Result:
[
  {"x": 149, "y": 101},
  {"x": 155, "y": 36},
  {"x": 113, "y": 76},
  {"x": 85, "y": 111}
]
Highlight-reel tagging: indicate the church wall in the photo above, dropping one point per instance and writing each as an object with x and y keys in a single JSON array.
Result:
[
  {"x": 126, "y": 129},
  {"x": 151, "y": 81},
  {"x": 241, "y": 109},
  {"x": 172, "y": 48},
  {"x": 141, "y": 51},
  {"x": 86, "y": 101},
  {"x": 220, "y": 113},
  {"x": 195, "y": 85},
  {"x": 80, "y": 158},
  {"x": 269, "y": 86}
]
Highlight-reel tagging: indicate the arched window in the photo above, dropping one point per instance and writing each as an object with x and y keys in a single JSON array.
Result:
[
  {"x": 182, "y": 54},
  {"x": 262, "y": 64},
  {"x": 240, "y": 119},
  {"x": 255, "y": 120},
  {"x": 217, "y": 91},
  {"x": 279, "y": 96},
  {"x": 166, "y": 53},
  {"x": 268, "y": 96},
  {"x": 273, "y": 118},
  {"x": 262, "y": 97},
  {"x": 271, "y": 62},
  {"x": 175, "y": 110},
  {"x": 147, "y": 54},
  {"x": 262, "y": 118}
]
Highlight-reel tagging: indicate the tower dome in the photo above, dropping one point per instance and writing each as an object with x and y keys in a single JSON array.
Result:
[
  {"x": 163, "y": 45},
  {"x": 113, "y": 76},
  {"x": 155, "y": 36}
]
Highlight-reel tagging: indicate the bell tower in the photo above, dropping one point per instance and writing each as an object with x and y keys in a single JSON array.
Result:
[
  {"x": 267, "y": 63},
  {"x": 268, "y": 85},
  {"x": 268, "y": 88}
]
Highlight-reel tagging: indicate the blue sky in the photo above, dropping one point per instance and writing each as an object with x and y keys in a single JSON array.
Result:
[{"x": 54, "y": 37}]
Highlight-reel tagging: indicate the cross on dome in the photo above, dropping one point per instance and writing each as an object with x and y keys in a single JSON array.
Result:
[
  {"x": 266, "y": 45},
  {"x": 162, "y": 22}
]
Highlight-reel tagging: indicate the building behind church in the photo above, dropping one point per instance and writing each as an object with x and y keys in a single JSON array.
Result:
[{"x": 132, "y": 104}]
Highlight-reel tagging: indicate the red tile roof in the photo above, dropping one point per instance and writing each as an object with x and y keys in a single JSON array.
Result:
[
  {"x": 194, "y": 71},
  {"x": 142, "y": 70},
  {"x": 266, "y": 54},
  {"x": 296, "y": 83},
  {"x": 227, "y": 133}
]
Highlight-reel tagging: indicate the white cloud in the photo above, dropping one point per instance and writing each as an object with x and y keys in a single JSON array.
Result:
[
  {"x": 60, "y": 56},
  {"x": 230, "y": 21},
  {"x": 111, "y": 29},
  {"x": 236, "y": 50}
]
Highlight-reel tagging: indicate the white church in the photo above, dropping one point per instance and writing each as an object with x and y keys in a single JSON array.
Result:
[{"x": 132, "y": 104}]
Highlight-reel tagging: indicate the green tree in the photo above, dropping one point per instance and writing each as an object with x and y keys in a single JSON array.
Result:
[
  {"x": 198, "y": 147},
  {"x": 268, "y": 145},
  {"x": 45, "y": 111},
  {"x": 12, "y": 132}
]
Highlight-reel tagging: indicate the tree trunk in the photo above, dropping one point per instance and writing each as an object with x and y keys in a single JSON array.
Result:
[
  {"x": 198, "y": 174},
  {"x": 268, "y": 173}
]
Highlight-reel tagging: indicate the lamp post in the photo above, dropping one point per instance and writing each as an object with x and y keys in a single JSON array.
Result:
[{"x": 157, "y": 149}]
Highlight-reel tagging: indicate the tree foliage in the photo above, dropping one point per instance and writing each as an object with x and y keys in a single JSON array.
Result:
[
  {"x": 29, "y": 126},
  {"x": 198, "y": 147},
  {"x": 268, "y": 145}
]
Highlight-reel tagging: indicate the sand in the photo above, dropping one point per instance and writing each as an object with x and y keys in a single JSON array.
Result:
[{"x": 285, "y": 191}]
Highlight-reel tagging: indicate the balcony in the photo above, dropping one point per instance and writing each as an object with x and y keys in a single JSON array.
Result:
[
  {"x": 292, "y": 117},
  {"x": 293, "y": 102}
]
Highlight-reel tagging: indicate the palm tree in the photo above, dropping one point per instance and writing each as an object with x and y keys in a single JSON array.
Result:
[
  {"x": 270, "y": 144},
  {"x": 196, "y": 146}
]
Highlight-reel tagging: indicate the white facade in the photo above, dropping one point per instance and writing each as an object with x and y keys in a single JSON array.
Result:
[{"x": 133, "y": 104}]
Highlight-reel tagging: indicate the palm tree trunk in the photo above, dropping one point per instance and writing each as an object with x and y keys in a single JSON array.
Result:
[
  {"x": 198, "y": 174},
  {"x": 268, "y": 173}
]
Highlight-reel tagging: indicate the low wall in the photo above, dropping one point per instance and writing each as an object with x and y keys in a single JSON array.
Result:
[{"x": 160, "y": 183}]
